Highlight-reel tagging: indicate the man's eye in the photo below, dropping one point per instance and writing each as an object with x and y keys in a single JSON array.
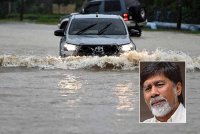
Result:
[
  {"x": 147, "y": 89},
  {"x": 160, "y": 84}
]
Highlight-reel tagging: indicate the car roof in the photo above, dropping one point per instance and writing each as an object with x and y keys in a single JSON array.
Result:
[{"x": 96, "y": 16}]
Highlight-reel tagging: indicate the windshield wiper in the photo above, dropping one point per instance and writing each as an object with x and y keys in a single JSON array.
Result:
[
  {"x": 104, "y": 29},
  {"x": 85, "y": 29}
]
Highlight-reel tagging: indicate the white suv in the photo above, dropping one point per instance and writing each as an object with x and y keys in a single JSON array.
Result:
[{"x": 94, "y": 34}]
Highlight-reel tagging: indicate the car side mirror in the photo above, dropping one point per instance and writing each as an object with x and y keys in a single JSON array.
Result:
[{"x": 59, "y": 32}]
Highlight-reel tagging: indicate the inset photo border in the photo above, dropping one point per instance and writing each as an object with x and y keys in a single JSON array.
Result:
[{"x": 162, "y": 92}]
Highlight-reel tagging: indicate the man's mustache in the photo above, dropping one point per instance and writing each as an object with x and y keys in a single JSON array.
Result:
[{"x": 156, "y": 100}]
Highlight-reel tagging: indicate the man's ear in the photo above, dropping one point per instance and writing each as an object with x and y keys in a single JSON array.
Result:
[{"x": 178, "y": 88}]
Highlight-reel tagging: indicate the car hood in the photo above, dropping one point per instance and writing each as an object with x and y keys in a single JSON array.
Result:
[{"x": 98, "y": 39}]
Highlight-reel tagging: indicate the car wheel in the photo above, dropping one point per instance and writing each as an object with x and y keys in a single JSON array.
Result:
[
  {"x": 135, "y": 32},
  {"x": 60, "y": 54},
  {"x": 63, "y": 26},
  {"x": 138, "y": 13},
  {"x": 141, "y": 14},
  {"x": 60, "y": 49},
  {"x": 138, "y": 34}
]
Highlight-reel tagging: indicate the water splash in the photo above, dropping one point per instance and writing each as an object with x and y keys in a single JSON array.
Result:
[{"x": 126, "y": 61}]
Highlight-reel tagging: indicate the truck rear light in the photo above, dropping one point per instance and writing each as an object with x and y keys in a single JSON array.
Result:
[{"x": 125, "y": 17}]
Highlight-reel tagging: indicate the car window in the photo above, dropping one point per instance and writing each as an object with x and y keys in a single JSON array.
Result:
[
  {"x": 97, "y": 26},
  {"x": 129, "y": 3},
  {"x": 112, "y": 6},
  {"x": 92, "y": 7}
]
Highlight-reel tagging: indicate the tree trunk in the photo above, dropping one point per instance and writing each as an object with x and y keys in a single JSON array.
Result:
[
  {"x": 179, "y": 14},
  {"x": 21, "y": 10},
  {"x": 9, "y": 7}
]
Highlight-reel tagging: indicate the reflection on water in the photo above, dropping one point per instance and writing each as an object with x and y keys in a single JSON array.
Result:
[
  {"x": 69, "y": 88},
  {"x": 124, "y": 94},
  {"x": 70, "y": 84}
]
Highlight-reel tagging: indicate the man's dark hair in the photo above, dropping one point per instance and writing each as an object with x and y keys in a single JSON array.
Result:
[{"x": 168, "y": 69}]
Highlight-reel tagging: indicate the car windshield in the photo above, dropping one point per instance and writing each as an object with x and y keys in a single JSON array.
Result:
[{"x": 97, "y": 26}]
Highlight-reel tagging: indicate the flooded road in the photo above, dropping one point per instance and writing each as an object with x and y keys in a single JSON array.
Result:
[{"x": 42, "y": 93}]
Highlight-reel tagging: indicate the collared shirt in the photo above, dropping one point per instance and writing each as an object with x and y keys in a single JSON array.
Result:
[{"x": 179, "y": 116}]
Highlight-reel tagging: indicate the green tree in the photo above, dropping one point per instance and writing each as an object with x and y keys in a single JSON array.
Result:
[{"x": 190, "y": 9}]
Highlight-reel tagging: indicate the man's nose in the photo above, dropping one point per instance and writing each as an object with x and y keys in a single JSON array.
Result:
[{"x": 154, "y": 92}]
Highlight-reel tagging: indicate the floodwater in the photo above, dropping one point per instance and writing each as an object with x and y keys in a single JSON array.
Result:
[{"x": 43, "y": 93}]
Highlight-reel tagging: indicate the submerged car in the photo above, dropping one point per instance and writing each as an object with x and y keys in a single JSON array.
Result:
[
  {"x": 94, "y": 34},
  {"x": 132, "y": 11}
]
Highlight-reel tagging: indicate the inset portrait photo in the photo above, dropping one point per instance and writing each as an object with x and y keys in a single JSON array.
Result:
[{"x": 162, "y": 92}]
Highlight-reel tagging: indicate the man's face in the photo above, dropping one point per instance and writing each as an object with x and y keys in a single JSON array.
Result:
[{"x": 160, "y": 94}]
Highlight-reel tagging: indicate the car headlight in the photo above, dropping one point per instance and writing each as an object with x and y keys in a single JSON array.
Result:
[
  {"x": 127, "y": 47},
  {"x": 70, "y": 47}
]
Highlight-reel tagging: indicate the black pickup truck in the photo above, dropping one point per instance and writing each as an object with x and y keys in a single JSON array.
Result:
[{"x": 132, "y": 12}]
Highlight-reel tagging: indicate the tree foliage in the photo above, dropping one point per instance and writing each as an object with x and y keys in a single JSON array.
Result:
[
  {"x": 167, "y": 9},
  {"x": 157, "y": 10}
]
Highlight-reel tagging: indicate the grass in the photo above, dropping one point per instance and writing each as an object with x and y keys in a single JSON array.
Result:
[{"x": 36, "y": 18}]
